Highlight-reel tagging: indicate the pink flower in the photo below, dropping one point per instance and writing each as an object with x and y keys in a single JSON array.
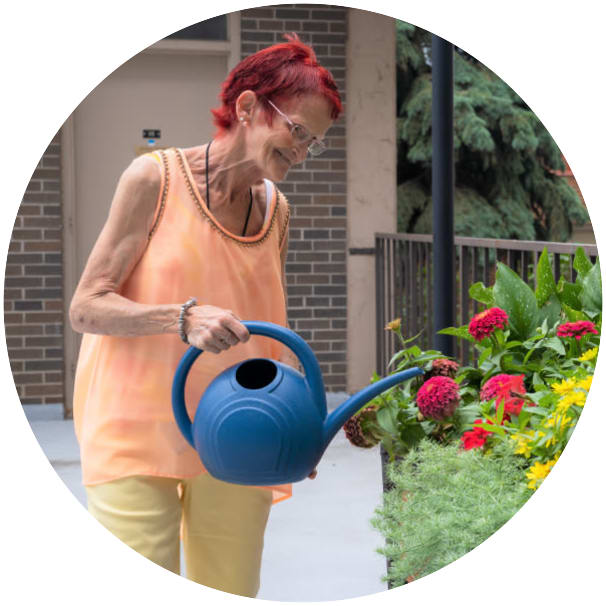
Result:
[
  {"x": 476, "y": 438},
  {"x": 442, "y": 367},
  {"x": 482, "y": 325},
  {"x": 505, "y": 388},
  {"x": 576, "y": 329},
  {"x": 438, "y": 398}
]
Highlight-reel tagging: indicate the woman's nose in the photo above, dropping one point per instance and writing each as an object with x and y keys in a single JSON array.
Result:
[{"x": 300, "y": 152}]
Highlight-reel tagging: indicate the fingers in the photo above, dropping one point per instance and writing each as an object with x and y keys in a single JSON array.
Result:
[{"x": 214, "y": 329}]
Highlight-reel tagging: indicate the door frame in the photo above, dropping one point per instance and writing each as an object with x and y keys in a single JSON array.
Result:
[{"x": 230, "y": 48}]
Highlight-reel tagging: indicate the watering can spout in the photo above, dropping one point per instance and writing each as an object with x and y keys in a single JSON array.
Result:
[{"x": 338, "y": 417}]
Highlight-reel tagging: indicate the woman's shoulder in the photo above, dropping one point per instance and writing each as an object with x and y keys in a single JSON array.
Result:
[{"x": 145, "y": 170}]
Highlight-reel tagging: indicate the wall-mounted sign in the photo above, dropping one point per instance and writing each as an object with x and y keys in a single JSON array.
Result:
[{"x": 151, "y": 133}]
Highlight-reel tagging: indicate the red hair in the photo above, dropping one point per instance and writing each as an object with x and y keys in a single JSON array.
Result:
[{"x": 285, "y": 70}]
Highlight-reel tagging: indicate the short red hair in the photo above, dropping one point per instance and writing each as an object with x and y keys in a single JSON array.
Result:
[{"x": 281, "y": 71}]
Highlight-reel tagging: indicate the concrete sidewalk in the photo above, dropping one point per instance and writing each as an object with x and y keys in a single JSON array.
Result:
[{"x": 319, "y": 545}]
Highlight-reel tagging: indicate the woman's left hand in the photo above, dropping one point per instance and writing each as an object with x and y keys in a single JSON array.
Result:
[{"x": 313, "y": 474}]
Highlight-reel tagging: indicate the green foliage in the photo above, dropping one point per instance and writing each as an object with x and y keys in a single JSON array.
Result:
[
  {"x": 444, "y": 504},
  {"x": 527, "y": 346},
  {"x": 448, "y": 494},
  {"x": 513, "y": 295},
  {"x": 505, "y": 158}
]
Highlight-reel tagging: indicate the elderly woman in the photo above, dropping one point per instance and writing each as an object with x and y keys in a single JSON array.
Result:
[{"x": 195, "y": 242}]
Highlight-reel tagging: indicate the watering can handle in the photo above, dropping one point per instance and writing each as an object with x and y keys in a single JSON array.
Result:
[
  {"x": 289, "y": 338},
  {"x": 300, "y": 348}
]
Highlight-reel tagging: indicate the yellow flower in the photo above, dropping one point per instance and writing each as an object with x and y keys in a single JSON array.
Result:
[
  {"x": 394, "y": 325},
  {"x": 590, "y": 354},
  {"x": 559, "y": 421},
  {"x": 539, "y": 471},
  {"x": 564, "y": 387},
  {"x": 574, "y": 397},
  {"x": 585, "y": 383},
  {"x": 522, "y": 444}
]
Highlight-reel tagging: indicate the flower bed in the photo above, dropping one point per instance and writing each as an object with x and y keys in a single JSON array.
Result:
[{"x": 536, "y": 353}]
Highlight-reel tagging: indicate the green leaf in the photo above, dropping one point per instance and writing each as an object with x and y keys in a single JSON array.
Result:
[
  {"x": 591, "y": 295},
  {"x": 573, "y": 315},
  {"x": 484, "y": 356},
  {"x": 550, "y": 313},
  {"x": 546, "y": 286},
  {"x": 581, "y": 263},
  {"x": 555, "y": 344},
  {"x": 492, "y": 428},
  {"x": 500, "y": 412},
  {"x": 481, "y": 293},
  {"x": 568, "y": 294},
  {"x": 386, "y": 421},
  {"x": 515, "y": 296},
  {"x": 414, "y": 351},
  {"x": 412, "y": 434},
  {"x": 461, "y": 332}
]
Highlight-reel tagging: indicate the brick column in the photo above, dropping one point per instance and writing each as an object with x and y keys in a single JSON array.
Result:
[
  {"x": 316, "y": 190},
  {"x": 33, "y": 289}
]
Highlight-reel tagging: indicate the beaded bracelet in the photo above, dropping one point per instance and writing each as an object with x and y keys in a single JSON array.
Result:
[{"x": 190, "y": 303}]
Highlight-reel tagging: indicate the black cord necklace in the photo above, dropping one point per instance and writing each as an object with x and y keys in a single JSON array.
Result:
[{"x": 208, "y": 194}]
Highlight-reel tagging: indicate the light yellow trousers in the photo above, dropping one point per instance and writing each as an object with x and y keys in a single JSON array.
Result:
[{"x": 222, "y": 526}]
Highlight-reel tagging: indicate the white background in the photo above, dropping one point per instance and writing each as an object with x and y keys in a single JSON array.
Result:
[{"x": 53, "y": 54}]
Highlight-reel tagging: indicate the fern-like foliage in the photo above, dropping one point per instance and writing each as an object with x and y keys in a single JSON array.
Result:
[
  {"x": 504, "y": 156},
  {"x": 444, "y": 504}
]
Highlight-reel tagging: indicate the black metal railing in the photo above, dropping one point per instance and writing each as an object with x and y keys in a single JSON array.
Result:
[{"x": 404, "y": 286}]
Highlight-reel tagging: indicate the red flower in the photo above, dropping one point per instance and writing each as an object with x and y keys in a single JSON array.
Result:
[
  {"x": 438, "y": 398},
  {"x": 442, "y": 367},
  {"x": 576, "y": 329},
  {"x": 476, "y": 438},
  {"x": 504, "y": 388},
  {"x": 482, "y": 325}
]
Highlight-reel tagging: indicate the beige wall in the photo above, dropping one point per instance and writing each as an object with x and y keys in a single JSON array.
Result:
[{"x": 371, "y": 180}]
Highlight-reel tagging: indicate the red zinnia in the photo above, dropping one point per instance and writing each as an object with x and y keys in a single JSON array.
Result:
[
  {"x": 576, "y": 329},
  {"x": 502, "y": 388},
  {"x": 438, "y": 398},
  {"x": 441, "y": 367},
  {"x": 476, "y": 438},
  {"x": 482, "y": 325}
]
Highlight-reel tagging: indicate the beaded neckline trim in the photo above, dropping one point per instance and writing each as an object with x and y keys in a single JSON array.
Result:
[{"x": 212, "y": 222}]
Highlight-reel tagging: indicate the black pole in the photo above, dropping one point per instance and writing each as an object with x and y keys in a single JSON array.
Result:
[{"x": 442, "y": 187}]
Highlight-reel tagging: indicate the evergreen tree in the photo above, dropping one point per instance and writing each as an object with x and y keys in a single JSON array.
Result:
[{"x": 504, "y": 156}]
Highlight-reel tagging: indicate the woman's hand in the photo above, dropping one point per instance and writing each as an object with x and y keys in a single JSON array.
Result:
[
  {"x": 214, "y": 329},
  {"x": 313, "y": 474}
]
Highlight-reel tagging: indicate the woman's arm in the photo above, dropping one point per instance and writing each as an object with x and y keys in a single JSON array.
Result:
[{"x": 97, "y": 307}]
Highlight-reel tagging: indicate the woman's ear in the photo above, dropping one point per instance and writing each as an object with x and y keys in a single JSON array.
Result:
[{"x": 245, "y": 105}]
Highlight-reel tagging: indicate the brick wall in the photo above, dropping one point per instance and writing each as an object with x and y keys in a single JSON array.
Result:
[
  {"x": 316, "y": 190},
  {"x": 33, "y": 289},
  {"x": 316, "y": 264}
]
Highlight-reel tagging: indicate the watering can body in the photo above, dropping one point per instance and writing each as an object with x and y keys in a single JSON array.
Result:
[{"x": 261, "y": 422}]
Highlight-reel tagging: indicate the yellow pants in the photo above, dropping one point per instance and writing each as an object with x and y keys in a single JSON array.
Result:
[{"x": 222, "y": 526}]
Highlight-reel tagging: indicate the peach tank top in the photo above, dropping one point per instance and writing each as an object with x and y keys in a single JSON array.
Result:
[{"x": 122, "y": 396}]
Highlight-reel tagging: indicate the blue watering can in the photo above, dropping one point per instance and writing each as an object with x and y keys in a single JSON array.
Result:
[{"x": 261, "y": 422}]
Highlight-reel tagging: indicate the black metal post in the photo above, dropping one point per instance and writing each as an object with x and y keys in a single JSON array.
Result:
[{"x": 442, "y": 187}]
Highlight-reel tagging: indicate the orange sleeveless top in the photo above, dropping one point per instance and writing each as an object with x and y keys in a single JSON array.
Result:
[{"x": 122, "y": 396}]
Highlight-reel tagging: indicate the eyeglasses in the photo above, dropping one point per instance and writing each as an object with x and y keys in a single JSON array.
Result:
[{"x": 301, "y": 135}]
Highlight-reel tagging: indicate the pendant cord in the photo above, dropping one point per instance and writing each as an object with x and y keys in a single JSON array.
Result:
[
  {"x": 208, "y": 193},
  {"x": 249, "y": 209}
]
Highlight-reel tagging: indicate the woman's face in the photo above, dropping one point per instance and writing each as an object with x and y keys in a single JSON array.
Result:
[{"x": 274, "y": 148}]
